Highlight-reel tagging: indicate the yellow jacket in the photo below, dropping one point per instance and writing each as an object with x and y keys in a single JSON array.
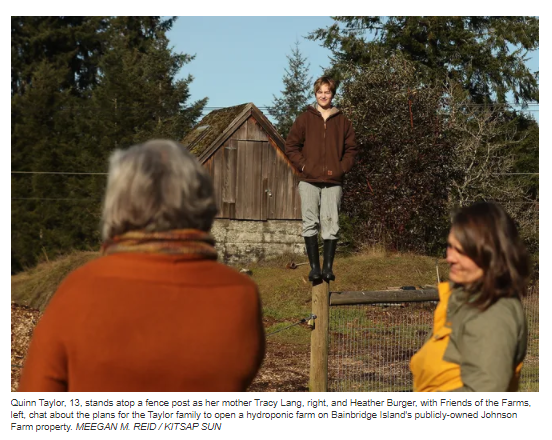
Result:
[{"x": 470, "y": 349}]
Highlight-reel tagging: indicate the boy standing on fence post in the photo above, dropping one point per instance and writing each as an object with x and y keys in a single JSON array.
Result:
[{"x": 321, "y": 145}]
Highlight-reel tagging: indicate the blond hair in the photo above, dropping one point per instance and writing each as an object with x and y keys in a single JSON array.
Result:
[{"x": 325, "y": 81}]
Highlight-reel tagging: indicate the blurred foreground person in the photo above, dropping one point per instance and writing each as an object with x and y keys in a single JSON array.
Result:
[
  {"x": 156, "y": 312},
  {"x": 479, "y": 337}
]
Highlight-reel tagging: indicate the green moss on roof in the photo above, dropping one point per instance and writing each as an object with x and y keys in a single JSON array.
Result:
[{"x": 210, "y": 128}]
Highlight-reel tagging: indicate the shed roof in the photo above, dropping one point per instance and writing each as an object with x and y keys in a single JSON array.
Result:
[{"x": 213, "y": 130}]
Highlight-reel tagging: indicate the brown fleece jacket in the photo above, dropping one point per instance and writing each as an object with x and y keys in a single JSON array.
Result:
[
  {"x": 148, "y": 322},
  {"x": 323, "y": 150}
]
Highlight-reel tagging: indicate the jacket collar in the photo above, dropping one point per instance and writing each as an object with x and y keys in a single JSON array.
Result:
[
  {"x": 334, "y": 111},
  {"x": 458, "y": 298}
]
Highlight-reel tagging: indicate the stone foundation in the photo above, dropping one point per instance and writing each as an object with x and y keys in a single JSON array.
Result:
[{"x": 244, "y": 241}]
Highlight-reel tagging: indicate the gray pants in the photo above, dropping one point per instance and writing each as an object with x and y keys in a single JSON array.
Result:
[{"x": 320, "y": 204}]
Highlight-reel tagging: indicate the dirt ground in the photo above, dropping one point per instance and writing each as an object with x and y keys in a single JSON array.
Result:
[
  {"x": 285, "y": 367},
  {"x": 23, "y": 321}
]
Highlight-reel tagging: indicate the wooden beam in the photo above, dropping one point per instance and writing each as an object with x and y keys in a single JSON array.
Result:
[
  {"x": 383, "y": 296},
  {"x": 254, "y": 140},
  {"x": 267, "y": 126},
  {"x": 319, "y": 338}
]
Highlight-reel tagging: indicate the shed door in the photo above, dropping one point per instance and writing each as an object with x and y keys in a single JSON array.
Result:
[
  {"x": 283, "y": 202},
  {"x": 251, "y": 197}
]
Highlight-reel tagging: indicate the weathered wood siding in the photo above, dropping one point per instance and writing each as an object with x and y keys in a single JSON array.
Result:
[{"x": 252, "y": 177}]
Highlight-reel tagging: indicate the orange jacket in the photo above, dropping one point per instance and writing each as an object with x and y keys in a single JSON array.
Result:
[{"x": 148, "y": 322}]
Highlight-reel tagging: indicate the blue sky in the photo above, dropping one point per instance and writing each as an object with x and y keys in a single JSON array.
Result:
[{"x": 242, "y": 59}]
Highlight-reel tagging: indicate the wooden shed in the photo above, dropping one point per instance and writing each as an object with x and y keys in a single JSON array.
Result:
[{"x": 255, "y": 183}]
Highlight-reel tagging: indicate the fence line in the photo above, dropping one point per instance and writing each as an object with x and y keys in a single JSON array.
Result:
[
  {"x": 371, "y": 345},
  {"x": 371, "y": 337}
]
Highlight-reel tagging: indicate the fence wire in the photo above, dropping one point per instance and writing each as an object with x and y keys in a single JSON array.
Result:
[
  {"x": 371, "y": 344},
  {"x": 530, "y": 371}
]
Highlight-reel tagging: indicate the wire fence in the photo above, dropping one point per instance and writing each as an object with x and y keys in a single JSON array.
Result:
[
  {"x": 530, "y": 370},
  {"x": 371, "y": 344}
]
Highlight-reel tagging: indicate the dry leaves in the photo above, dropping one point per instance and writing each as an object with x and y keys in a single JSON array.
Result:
[
  {"x": 285, "y": 368},
  {"x": 23, "y": 321}
]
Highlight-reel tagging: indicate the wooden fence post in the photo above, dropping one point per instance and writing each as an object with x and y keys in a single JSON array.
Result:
[{"x": 319, "y": 337}]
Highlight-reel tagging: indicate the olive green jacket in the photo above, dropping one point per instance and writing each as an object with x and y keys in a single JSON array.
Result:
[{"x": 488, "y": 345}]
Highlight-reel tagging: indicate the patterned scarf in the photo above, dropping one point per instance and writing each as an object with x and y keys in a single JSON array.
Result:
[{"x": 191, "y": 243}]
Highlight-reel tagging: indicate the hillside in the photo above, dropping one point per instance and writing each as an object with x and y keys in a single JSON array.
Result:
[{"x": 35, "y": 287}]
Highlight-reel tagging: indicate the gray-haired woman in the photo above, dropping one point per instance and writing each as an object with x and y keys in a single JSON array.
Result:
[{"x": 156, "y": 312}]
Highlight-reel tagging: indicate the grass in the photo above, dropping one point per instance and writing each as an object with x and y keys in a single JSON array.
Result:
[
  {"x": 286, "y": 293},
  {"x": 36, "y": 286}
]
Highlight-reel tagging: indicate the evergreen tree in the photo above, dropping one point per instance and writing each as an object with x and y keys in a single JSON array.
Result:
[
  {"x": 296, "y": 94},
  {"x": 486, "y": 55},
  {"x": 71, "y": 44},
  {"x": 138, "y": 96},
  {"x": 41, "y": 132},
  {"x": 81, "y": 87},
  {"x": 396, "y": 194}
]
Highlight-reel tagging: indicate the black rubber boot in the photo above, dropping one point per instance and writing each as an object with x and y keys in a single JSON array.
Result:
[
  {"x": 329, "y": 252},
  {"x": 311, "y": 244}
]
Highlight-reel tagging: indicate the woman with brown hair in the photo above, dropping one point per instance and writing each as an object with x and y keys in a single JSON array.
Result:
[
  {"x": 156, "y": 312},
  {"x": 479, "y": 338}
]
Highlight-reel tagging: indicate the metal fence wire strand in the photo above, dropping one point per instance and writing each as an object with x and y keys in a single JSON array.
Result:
[
  {"x": 371, "y": 344},
  {"x": 313, "y": 317}
]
